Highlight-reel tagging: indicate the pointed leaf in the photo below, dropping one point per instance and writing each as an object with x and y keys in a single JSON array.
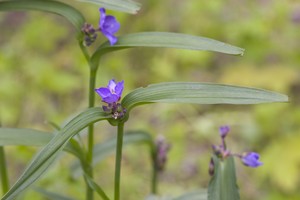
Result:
[
  {"x": 199, "y": 93},
  {"x": 104, "y": 149},
  {"x": 52, "y": 150},
  {"x": 223, "y": 184},
  {"x": 67, "y": 11},
  {"x": 197, "y": 195},
  {"x": 169, "y": 40},
  {"x": 30, "y": 137},
  {"x": 52, "y": 195},
  {"x": 119, "y": 5}
]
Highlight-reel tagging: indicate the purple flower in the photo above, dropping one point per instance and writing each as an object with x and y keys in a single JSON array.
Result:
[
  {"x": 251, "y": 159},
  {"x": 224, "y": 130},
  {"x": 108, "y": 25},
  {"x": 112, "y": 93}
]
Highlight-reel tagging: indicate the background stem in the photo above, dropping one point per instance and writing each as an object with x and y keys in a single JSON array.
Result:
[
  {"x": 3, "y": 171},
  {"x": 118, "y": 160},
  {"x": 154, "y": 173}
]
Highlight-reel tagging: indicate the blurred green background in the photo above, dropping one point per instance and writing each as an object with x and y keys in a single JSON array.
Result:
[{"x": 44, "y": 78}]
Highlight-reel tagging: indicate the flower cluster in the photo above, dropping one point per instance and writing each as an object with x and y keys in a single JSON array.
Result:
[
  {"x": 108, "y": 26},
  {"x": 112, "y": 95},
  {"x": 250, "y": 159}
]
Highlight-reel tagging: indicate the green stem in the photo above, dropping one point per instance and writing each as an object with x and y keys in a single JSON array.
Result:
[
  {"x": 91, "y": 130},
  {"x": 118, "y": 160},
  {"x": 3, "y": 171},
  {"x": 90, "y": 146}
]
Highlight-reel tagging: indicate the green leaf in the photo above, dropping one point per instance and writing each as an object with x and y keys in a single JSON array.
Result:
[
  {"x": 67, "y": 11},
  {"x": 169, "y": 40},
  {"x": 199, "y": 93},
  {"x": 124, "y": 6},
  {"x": 51, "y": 151},
  {"x": 52, "y": 195},
  {"x": 104, "y": 149},
  {"x": 197, "y": 195},
  {"x": 96, "y": 187},
  {"x": 223, "y": 184},
  {"x": 29, "y": 137}
]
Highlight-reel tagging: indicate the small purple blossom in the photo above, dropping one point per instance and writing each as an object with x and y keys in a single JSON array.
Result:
[
  {"x": 112, "y": 93},
  {"x": 108, "y": 25},
  {"x": 251, "y": 159},
  {"x": 224, "y": 130}
]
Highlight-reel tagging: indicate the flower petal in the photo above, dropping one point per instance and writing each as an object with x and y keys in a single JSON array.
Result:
[
  {"x": 119, "y": 88},
  {"x": 111, "y": 38},
  {"x": 110, "y": 24},
  {"x": 111, "y": 98},
  {"x": 103, "y": 92},
  {"x": 111, "y": 85},
  {"x": 102, "y": 17}
]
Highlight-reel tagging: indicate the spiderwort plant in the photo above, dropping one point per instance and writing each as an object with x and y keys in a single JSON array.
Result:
[
  {"x": 222, "y": 170},
  {"x": 111, "y": 95},
  {"x": 250, "y": 159},
  {"x": 108, "y": 26},
  {"x": 113, "y": 110}
]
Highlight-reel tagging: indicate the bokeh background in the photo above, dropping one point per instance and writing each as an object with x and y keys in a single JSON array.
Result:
[{"x": 44, "y": 79}]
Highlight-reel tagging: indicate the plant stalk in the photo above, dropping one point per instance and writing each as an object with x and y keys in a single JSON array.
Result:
[
  {"x": 118, "y": 160},
  {"x": 90, "y": 145},
  {"x": 3, "y": 171}
]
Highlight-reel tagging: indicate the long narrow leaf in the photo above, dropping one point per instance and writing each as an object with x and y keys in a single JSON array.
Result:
[
  {"x": 197, "y": 195},
  {"x": 124, "y": 6},
  {"x": 168, "y": 40},
  {"x": 199, "y": 93},
  {"x": 67, "y": 11},
  {"x": 52, "y": 195},
  {"x": 28, "y": 137},
  {"x": 96, "y": 187},
  {"x": 52, "y": 150}
]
